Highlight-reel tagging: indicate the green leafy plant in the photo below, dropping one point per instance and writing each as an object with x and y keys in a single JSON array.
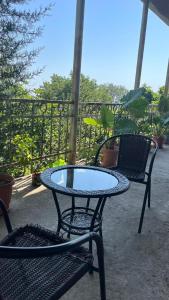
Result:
[
  {"x": 106, "y": 121},
  {"x": 45, "y": 163},
  {"x": 136, "y": 107},
  {"x": 161, "y": 119},
  {"x": 41, "y": 166},
  {"x": 163, "y": 106},
  {"x": 23, "y": 150},
  {"x": 57, "y": 163},
  {"x": 159, "y": 128}
]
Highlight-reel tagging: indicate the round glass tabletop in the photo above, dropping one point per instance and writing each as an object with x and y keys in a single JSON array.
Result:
[{"x": 84, "y": 179}]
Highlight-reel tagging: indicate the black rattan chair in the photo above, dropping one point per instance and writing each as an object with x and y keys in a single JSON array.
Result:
[
  {"x": 37, "y": 264},
  {"x": 132, "y": 153}
]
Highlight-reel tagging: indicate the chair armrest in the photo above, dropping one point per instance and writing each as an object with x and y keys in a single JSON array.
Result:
[
  {"x": 152, "y": 158},
  {"x": 33, "y": 252},
  {"x": 5, "y": 216}
]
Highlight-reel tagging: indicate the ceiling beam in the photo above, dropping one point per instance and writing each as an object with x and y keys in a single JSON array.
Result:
[{"x": 160, "y": 8}]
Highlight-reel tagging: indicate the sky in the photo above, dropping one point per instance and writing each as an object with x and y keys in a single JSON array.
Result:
[{"x": 110, "y": 42}]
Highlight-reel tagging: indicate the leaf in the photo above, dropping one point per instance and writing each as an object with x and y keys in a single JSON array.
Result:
[
  {"x": 92, "y": 122},
  {"x": 134, "y": 95},
  {"x": 107, "y": 117},
  {"x": 138, "y": 108},
  {"x": 166, "y": 121},
  {"x": 126, "y": 126}
]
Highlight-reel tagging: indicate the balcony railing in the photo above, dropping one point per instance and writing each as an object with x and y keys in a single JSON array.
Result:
[{"x": 33, "y": 130}]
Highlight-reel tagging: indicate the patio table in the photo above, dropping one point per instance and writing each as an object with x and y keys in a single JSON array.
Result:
[{"x": 93, "y": 183}]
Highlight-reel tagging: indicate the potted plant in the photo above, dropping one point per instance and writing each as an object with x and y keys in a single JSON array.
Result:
[
  {"x": 6, "y": 183},
  {"x": 133, "y": 111},
  {"x": 36, "y": 171},
  {"x": 43, "y": 164},
  {"x": 161, "y": 121},
  {"x": 106, "y": 122},
  {"x": 136, "y": 107},
  {"x": 159, "y": 129}
]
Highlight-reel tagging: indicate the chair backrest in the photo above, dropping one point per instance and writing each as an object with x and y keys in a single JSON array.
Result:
[{"x": 133, "y": 152}]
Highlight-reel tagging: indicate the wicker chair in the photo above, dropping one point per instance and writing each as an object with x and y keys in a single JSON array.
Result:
[
  {"x": 132, "y": 152},
  {"x": 37, "y": 264}
]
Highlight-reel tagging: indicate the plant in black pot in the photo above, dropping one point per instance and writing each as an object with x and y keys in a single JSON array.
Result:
[
  {"x": 41, "y": 166},
  {"x": 36, "y": 171}
]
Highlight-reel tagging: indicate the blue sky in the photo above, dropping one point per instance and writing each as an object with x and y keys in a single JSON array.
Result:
[{"x": 110, "y": 42}]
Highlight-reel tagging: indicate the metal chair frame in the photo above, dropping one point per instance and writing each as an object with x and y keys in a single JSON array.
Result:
[
  {"x": 146, "y": 170},
  {"x": 19, "y": 253}
]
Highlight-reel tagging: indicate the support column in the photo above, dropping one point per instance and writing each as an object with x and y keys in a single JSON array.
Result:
[
  {"x": 166, "y": 90},
  {"x": 141, "y": 44},
  {"x": 80, "y": 6}
]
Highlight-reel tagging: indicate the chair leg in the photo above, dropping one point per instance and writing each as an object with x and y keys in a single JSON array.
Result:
[
  {"x": 143, "y": 209},
  {"x": 102, "y": 275},
  {"x": 90, "y": 246},
  {"x": 100, "y": 232},
  {"x": 58, "y": 228},
  {"x": 149, "y": 193}
]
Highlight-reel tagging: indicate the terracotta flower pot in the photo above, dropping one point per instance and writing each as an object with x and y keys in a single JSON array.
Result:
[
  {"x": 160, "y": 140},
  {"x": 109, "y": 158},
  {"x": 6, "y": 183}
]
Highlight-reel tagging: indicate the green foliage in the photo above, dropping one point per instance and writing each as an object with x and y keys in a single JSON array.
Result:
[
  {"x": 60, "y": 88},
  {"x": 163, "y": 105},
  {"x": 136, "y": 106},
  {"x": 158, "y": 128},
  {"x": 47, "y": 163},
  {"x": 92, "y": 122},
  {"x": 18, "y": 29},
  {"x": 126, "y": 125},
  {"x": 132, "y": 96},
  {"x": 144, "y": 92},
  {"x": 57, "y": 163},
  {"x": 149, "y": 94},
  {"x": 116, "y": 91},
  {"x": 23, "y": 150},
  {"x": 161, "y": 118},
  {"x": 161, "y": 90},
  {"x": 19, "y": 91},
  {"x": 106, "y": 119}
]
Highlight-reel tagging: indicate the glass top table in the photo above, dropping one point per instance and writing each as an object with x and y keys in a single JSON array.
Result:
[{"x": 83, "y": 182}]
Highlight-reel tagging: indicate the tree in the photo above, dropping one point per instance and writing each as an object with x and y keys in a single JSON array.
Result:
[
  {"x": 19, "y": 91},
  {"x": 147, "y": 93},
  {"x": 18, "y": 29},
  {"x": 60, "y": 88},
  {"x": 116, "y": 91}
]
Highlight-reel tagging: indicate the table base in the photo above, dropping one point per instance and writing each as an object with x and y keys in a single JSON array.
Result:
[{"x": 78, "y": 221}]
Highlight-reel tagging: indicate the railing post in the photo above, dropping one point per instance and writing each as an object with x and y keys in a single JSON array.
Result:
[
  {"x": 76, "y": 78},
  {"x": 166, "y": 90},
  {"x": 141, "y": 44}
]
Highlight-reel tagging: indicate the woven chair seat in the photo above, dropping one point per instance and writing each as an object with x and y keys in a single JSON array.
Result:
[
  {"x": 131, "y": 174},
  {"x": 20, "y": 279}
]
